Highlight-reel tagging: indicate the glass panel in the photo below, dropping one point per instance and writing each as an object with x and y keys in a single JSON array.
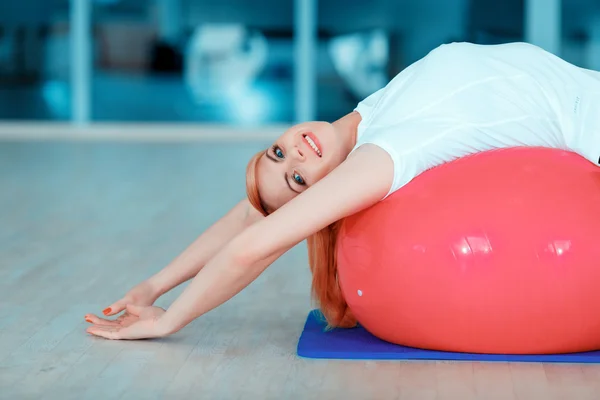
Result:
[
  {"x": 199, "y": 61},
  {"x": 362, "y": 48},
  {"x": 353, "y": 54},
  {"x": 34, "y": 61}
]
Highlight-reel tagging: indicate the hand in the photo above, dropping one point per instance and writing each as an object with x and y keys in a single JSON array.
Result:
[
  {"x": 142, "y": 322},
  {"x": 143, "y": 294}
]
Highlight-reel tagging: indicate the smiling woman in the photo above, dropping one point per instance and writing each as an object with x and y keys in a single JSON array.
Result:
[{"x": 459, "y": 100}]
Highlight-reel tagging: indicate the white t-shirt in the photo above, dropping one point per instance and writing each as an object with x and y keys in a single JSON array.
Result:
[{"x": 464, "y": 98}]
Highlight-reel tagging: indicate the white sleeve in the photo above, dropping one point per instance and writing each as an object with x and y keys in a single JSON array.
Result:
[{"x": 405, "y": 163}]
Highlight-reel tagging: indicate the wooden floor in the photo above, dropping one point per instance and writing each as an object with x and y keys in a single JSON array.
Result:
[{"x": 80, "y": 223}]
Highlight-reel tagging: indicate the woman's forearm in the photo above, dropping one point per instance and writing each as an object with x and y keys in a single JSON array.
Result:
[
  {"x": 187, "y": 265},
  {"x": 221, "y": 279}
]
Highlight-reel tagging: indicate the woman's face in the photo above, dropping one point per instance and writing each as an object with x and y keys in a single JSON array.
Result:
[{"x": 302, "y": 156}]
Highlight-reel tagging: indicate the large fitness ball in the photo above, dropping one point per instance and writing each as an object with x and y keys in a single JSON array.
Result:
[{"x": 497, "y": 252}]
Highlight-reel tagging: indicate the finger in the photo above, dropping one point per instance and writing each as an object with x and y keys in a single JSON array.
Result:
[
  {"x": 105, "y": 328},
  {"x": 92, "y": 319},
  {"x": 116, "y": 332},
  {"x": 100, "y": 331},
  {"x": 115, "y": 308}
]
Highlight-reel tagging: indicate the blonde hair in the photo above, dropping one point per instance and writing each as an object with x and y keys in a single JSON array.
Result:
[{"x": 321, "y": 257}]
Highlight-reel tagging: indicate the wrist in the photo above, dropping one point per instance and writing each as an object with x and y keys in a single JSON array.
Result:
[
  {"x": 164, "y": 327},
  {"x": 157, "y": 287}
]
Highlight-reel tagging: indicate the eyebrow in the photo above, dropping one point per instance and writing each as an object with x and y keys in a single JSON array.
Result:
[{"x": 285, "y": 175}]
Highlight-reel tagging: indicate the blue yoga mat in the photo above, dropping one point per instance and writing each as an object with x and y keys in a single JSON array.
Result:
[{"x": 358, "y": 344}]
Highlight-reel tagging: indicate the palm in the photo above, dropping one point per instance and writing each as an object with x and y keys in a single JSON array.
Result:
[{"x": 138, "y": 322}]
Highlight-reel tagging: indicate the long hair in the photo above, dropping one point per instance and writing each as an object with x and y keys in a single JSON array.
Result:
[{"x": 321, "y": 257}]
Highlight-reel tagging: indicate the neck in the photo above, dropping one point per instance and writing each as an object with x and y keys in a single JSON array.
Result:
[{"x": 347, "y": 127}]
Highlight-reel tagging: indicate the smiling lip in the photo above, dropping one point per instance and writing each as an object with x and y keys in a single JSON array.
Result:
[{"x": 316, "y": 141}]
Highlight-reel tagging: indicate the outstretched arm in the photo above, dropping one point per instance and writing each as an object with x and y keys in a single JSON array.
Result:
[
  {"x": 361, "y": 181},
  {"x": 187, "y": 264}
]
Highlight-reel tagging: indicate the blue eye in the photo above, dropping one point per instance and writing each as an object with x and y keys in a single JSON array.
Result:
[
  {"x": 278, "y": 152},
  {"x": 298, "y": 179}
]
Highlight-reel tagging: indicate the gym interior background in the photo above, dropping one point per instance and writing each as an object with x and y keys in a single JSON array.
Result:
[
  {"x": 125, "y": 129},
  {"x": 198, "y": 61}
]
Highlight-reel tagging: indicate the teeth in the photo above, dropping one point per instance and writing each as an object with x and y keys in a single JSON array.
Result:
[{"x": 313, "y": 145}]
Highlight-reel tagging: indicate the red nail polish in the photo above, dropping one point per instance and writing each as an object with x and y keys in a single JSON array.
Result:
[{"x": 106, "y": 311}]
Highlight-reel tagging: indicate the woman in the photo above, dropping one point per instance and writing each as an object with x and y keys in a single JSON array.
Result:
[{"x": 459, "y": 99}]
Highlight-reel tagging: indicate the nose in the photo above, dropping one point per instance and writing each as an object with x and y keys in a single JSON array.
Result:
[{"x": 298, "y": 153}]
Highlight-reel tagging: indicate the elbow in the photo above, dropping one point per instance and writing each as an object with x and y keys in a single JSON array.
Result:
[
  {"x": 244, "y": 252},
  {"x": 241, "y": 254},
  {"x": 242, "y": 259}
]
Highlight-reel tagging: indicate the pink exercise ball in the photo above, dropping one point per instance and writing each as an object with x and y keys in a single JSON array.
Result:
[{"x": 495, "y": 253}]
